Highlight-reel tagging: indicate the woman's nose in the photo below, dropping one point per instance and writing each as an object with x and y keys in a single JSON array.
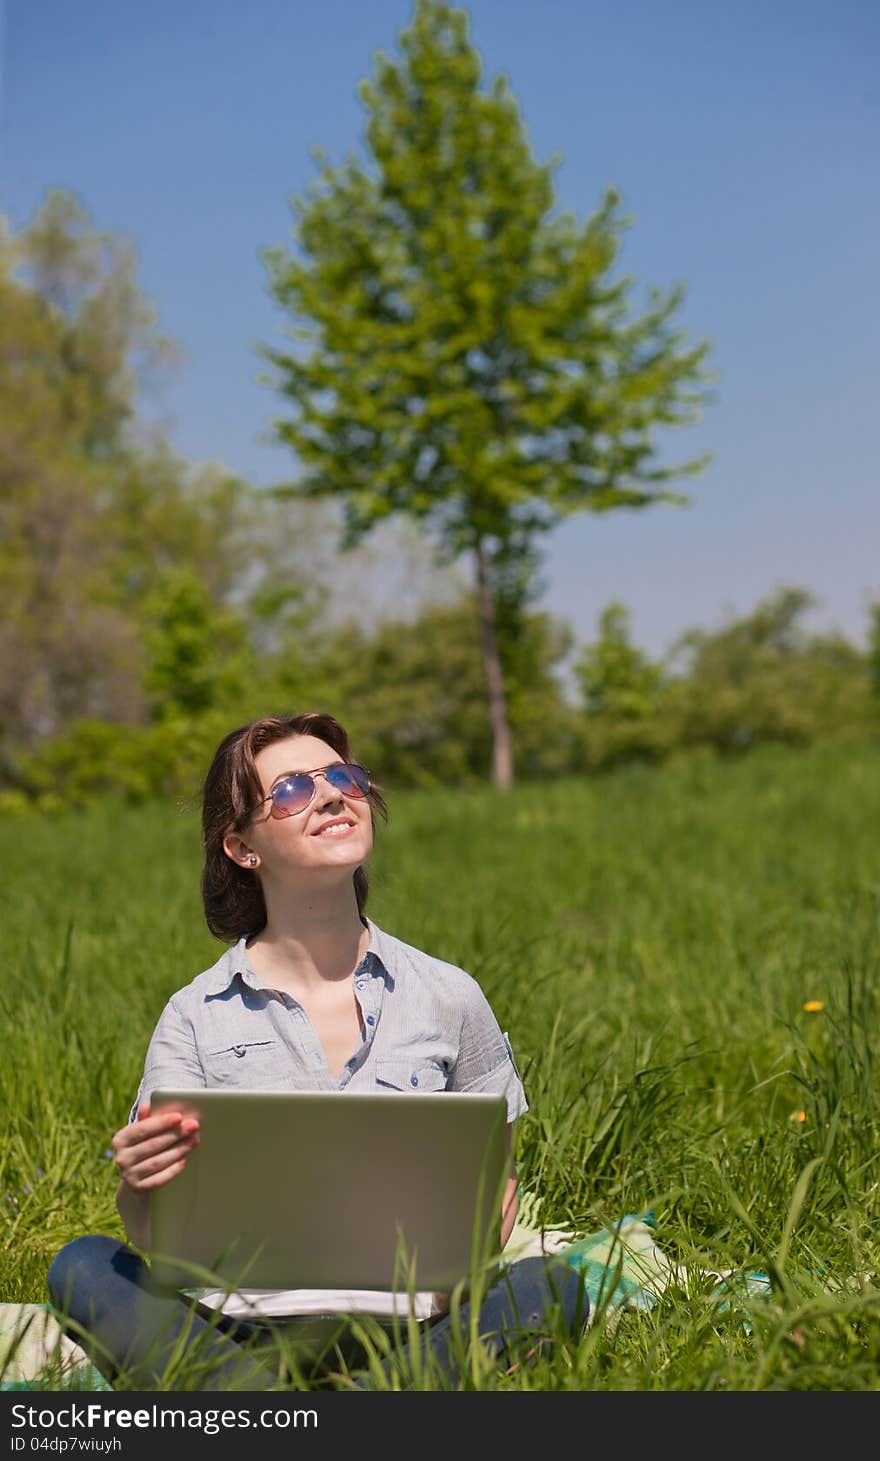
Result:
[{"x": 325, "y": 792}]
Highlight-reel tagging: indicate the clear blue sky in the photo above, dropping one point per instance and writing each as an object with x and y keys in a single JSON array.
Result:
[{"x": 743, "y": 139}]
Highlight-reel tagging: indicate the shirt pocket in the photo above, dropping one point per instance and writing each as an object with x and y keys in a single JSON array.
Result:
[
  {"x": 248, "y": 1064},
  {"x": 396, "y": 1072}
]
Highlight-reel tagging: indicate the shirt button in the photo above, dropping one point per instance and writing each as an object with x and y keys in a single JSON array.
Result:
[
  {"x": 413, "y": 1080},
  {"x": 238, "y": 1050},
  {"x": 370, "y": 1020},
  {"x": 360, "y": 983}
]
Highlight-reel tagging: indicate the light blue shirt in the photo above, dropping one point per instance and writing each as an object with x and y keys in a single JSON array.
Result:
[{"x": 425, "y": 1026}]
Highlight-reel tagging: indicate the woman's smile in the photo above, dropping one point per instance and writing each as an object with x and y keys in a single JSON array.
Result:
[{"x": 338, "y": 827}]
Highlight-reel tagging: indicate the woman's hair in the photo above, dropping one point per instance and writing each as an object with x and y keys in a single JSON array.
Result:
[{"x": 231, "y": 895}]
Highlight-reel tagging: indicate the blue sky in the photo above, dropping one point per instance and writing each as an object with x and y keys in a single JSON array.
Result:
[{"x": 742, "y": 138}]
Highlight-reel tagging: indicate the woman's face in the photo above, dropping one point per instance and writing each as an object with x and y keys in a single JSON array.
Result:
[{"x": 333, "y": 832}]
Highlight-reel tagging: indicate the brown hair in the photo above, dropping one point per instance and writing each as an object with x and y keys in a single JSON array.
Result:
[{"x": 231, "y": 896}]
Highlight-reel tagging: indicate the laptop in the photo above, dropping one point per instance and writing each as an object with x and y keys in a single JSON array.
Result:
[{"x": 332, "y": 1189}]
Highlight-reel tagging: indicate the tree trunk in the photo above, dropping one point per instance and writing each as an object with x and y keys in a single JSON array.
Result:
[{"x": 502, "y": 745}]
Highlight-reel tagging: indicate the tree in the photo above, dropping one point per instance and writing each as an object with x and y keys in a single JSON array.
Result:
[
  {"x": 622, "y": 691},
  {"x": 464, "y": 354},
  {"x": 616, "y": 677},
  {"x": 410, "y": 692},
  {"x": 130, "y": 579},
  {"x": 73, "y": 334},
  {"x": 195, "y": 652},
  {"x": 764, "y": 677}
]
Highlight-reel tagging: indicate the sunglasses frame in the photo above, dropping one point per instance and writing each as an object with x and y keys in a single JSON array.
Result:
[{"x": 318, "y": 771}]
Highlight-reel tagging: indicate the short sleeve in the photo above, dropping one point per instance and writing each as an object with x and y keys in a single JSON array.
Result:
[
  {"x": 171, "y": 1060},
  {"x": 485, "y": 1057}
]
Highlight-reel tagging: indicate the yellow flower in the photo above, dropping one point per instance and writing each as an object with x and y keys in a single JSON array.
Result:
[
  {"x": 798, "y": 1116},
  {"x": 813, "y": 1006}
]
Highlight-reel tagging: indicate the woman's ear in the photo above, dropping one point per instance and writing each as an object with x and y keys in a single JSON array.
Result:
[{"x": 237, "y": 851}]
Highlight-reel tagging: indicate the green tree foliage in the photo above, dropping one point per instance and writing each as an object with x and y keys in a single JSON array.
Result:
[
  {"x": 465, "y": 353},
  {"x": 411, "y": 693},
  {"x": 194, "y": 650},
  {"x": 133, "y": 582},
  {"x": 762, "y": 677},
  {"x": 149, "y": 605},
  {"x": 622, "y": 693},
  {"x": 766, "y": 677},
  {"x": 616, "y": 677},
  {"x": 92, "y": 334},
  {"x": 70, "y": 326}
]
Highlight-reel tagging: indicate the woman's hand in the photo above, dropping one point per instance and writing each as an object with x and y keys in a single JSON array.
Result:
[{"x": 153, "y": 1149}]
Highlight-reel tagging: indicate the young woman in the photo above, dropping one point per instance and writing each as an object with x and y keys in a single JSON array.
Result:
[{"x": 295, "y": 1001}]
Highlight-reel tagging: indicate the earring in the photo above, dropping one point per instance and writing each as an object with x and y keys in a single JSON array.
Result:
[{"x": 252, "y": 860}]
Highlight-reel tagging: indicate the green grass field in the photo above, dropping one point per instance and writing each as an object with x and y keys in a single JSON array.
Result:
[{"x": 649, "y": 940}]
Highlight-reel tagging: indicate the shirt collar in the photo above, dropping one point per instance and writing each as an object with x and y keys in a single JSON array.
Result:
[{"x": 377, "y": 962}]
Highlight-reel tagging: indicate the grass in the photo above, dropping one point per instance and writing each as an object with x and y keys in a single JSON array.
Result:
[{"x": 649, "y": 940}]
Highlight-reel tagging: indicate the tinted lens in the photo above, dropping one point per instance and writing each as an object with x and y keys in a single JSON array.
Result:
[
  {"x": 349, "y": 778},
  {"x": 292, "y": 795}
]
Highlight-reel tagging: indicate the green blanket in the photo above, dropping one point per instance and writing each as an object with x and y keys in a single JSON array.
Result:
[{"x": 623, "y": 1266}]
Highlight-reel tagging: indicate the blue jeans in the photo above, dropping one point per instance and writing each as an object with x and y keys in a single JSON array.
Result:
[{"x": 133, "y": 1326}]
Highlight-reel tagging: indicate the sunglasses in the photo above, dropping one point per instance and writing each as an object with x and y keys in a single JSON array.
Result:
[{"x": 294, "y": 793}]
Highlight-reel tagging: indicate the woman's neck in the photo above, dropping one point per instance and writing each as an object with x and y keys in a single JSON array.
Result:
[{"x": 309, "y": 942}]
